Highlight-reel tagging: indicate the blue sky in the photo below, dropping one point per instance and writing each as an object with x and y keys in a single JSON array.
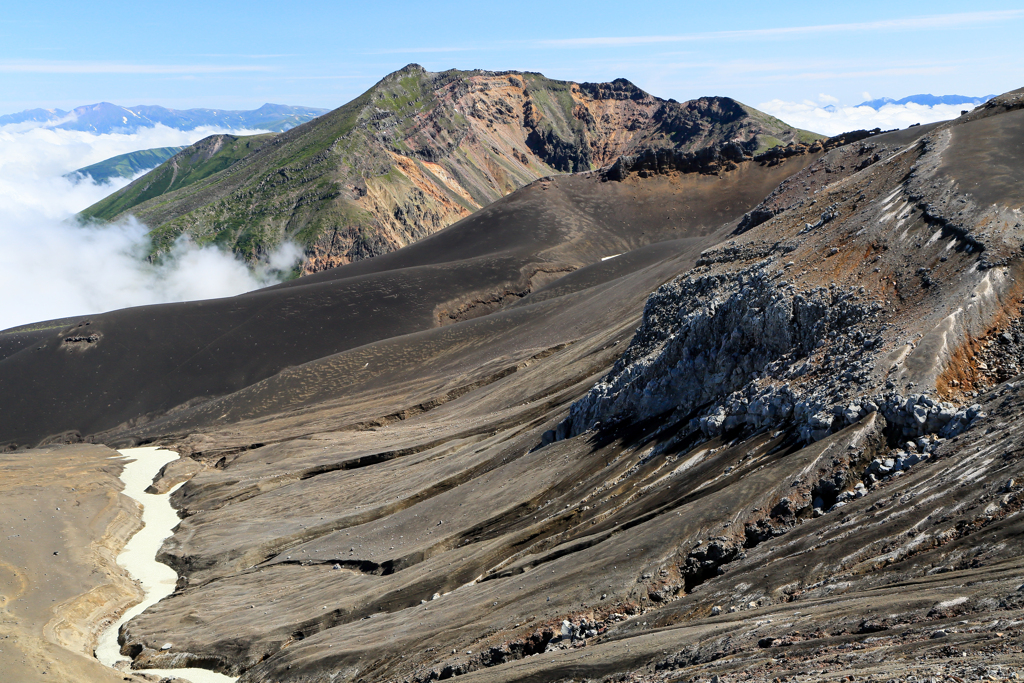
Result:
[{"x": 241, "y": 54}]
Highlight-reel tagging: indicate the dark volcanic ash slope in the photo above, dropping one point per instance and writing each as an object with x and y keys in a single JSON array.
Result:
[
  {"x": 799, "y": 457},
  {"x": 543, "y": 244},
  {"x": 414, "y": 154}
]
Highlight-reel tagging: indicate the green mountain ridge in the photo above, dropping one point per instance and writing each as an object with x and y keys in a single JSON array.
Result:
[
  {"x": 414, "y": 154},
  {"x": 125, "y": 165}
]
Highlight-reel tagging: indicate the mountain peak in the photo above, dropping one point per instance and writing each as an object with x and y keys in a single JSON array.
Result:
[
  {"x": 417, "y": 152},
  {"x": 411, "y": 68}
]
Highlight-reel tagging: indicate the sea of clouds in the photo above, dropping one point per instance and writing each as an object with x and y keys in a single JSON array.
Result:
[
  {"x": 829, "y": 118},
  {"x": 51, "y": 267}
]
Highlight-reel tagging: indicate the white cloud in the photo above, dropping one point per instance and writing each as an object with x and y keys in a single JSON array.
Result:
[
  {"x": 835, "y": 120},
  {"x": 822, "y": 97},
  {"x": 51, "y": 267},
  {"x": 411, "y": 50},
  {"x": 866, "y": 96}
]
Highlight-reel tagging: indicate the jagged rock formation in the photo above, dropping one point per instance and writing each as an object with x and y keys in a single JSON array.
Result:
[
  {"x": 414, "y": 154},
  {"x": 800, "y": 454},
  {"x": 704, "y": 337},
  {"x": 722, "y": 327}
]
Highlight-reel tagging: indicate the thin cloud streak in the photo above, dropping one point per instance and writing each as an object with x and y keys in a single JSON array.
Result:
[
  {"x": 245, "y": 56},
  {"x": 872, "y": 73},
  {"x": 312, "y": 78},
  {"x": 122, "y": 68},
  {"x": 410, "y": 50},
  {"x": 788, "y": 68},
  {"x": 937, "y": 21}
]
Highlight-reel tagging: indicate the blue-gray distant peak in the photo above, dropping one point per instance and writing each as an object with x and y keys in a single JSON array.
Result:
[
  {"x": 105, "y": 117},
  {"x": 927, "y": 100}
]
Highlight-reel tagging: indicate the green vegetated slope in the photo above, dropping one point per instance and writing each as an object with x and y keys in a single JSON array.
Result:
[
  {"x": 770, "y": 122},
  {"x": 412, "y": 155},
  {"x": 126, "y": 165},
  {"x": 194, "y": 163}
]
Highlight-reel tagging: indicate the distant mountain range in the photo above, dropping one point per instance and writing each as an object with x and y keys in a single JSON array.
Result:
[
  {"x": 111, "y": 118},
  {"x": 125, "y": 165},
  {"x": 927, "y": 100}
]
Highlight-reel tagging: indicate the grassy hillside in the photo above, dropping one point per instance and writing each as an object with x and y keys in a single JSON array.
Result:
[
  {"x": 194, "y": 163},
  {"x": 126, "y": 165}
]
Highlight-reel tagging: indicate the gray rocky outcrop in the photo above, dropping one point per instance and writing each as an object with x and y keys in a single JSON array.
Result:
[
  {"x": 908, "y": 417},
  {"x": 722, "y": 351},
  {"x": 706, "y": 336}
]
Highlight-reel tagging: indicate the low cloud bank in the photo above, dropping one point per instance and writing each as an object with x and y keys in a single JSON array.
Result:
[
  {"x": 50, "y": 267},
  {"x": 833, "y": 120}
]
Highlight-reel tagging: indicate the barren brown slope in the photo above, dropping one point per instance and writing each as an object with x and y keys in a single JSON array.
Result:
[
  {"x": 409, "y": 515},
  {"x": 414, "y": 154}
]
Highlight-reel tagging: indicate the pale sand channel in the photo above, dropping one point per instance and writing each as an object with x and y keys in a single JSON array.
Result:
[{"x": 139, "y": 556}]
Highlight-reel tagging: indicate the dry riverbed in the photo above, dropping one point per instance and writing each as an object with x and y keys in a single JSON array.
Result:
[
  {"x": 63, "y": 522},
  {"x": 139, "y": 559},
  {"x": 75, "y": 555}
]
